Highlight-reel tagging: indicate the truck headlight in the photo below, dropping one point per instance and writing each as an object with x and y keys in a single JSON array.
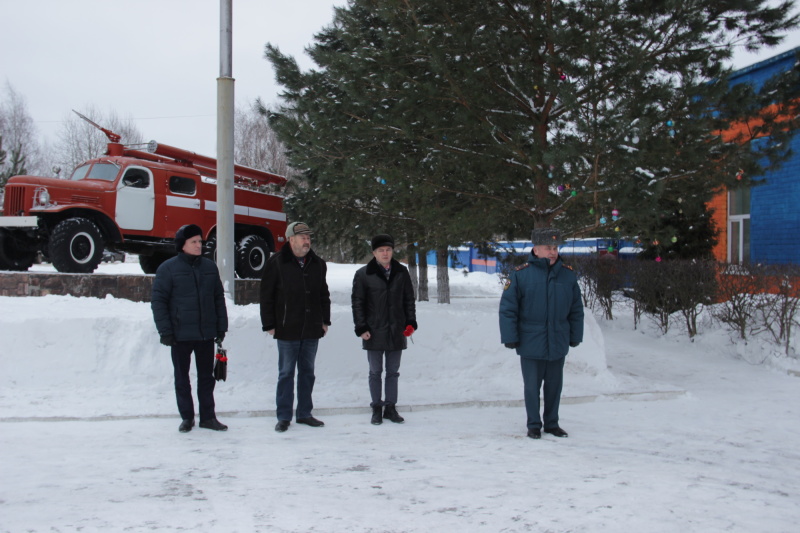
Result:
[{"x": 41, "y": 197}]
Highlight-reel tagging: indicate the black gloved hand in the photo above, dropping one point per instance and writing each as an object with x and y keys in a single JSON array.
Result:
[
  {"x": 511, "y": 345},
  {"x": 574, "y": 344},
  {"x": 167, "y": 340},
  {"x": 220, "y": 337}
]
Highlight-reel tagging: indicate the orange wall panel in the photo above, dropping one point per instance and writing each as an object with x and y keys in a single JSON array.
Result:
[{"x": 719, "y": 205}]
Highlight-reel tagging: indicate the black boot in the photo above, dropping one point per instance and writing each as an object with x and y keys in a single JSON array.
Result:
[
  {"x": 213, "y": 423},
  {"x": 556, "y": 432},
  {"x": 391, "y": 413},
  {"x": 377, "y": 418}
]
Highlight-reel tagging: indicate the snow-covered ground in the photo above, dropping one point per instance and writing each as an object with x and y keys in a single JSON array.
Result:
[{"x": 665, "y": 434}]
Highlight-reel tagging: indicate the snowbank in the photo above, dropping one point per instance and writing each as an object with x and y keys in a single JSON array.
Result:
[{"x": 108, "y": 350}]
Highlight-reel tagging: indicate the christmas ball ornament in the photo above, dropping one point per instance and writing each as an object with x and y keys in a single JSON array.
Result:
[
  {"x": 615, "y": 217},
  {"x": 674, "y": 239},
  {"x": 616, "y": 229},
  {"x": 610, "y": 248},
  {"x": 655, "y": 243},
  {"x": 549, "y": 174},
  {"x": 670, "y": 123},
  {"x": 560, "y": 188},
  {"x": 574, "y": 193},
  {"x": 672, "y": 133},
  {"x": 615, "y": 212},
  {"x": 591, "y": 210},
  {"x": 602, "y": 220},
  {"x": 658, "y": 259}
]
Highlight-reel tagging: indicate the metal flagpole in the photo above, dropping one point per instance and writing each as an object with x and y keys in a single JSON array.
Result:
[{"x": 225, "y": 104}]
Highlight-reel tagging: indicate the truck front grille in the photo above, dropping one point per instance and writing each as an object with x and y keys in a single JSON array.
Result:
[
  {"x": 14, "y": 202},
  {"x": 85, "y": 199}
]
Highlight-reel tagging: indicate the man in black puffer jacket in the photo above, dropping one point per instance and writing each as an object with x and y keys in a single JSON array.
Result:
[
  {"x": 189, "y": 309},
  {"x": 384, "y": 313},
  {"x": 296, "y": 311}
]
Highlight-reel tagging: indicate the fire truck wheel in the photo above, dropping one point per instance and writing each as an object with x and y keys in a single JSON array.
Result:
[
  {"x": 252, "y": 253},
  {"x": 210, "y": 247},
  {"x": 150, "y": 263},
  {"x": 11, "y": 257},
  {"x": 76, "y": 245}
]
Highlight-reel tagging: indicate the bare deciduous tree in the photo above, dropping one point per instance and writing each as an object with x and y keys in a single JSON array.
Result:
[
  {"x": 79, "y": 140},
  {"x": 255, "y": 144},
  {"x": 741, "y": 294},
  {"x": 19, "y": 134},
  {"x": 780, "y": 310},
  {"x": 600, "y": 279}
]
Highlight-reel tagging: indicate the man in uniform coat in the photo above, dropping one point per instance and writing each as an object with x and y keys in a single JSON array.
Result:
[{"x": 541, "y": 317}]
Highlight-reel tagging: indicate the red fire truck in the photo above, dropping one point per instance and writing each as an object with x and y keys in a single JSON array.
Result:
[{"x": 134, "y": 201}]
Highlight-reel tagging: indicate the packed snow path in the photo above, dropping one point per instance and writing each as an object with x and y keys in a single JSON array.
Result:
[{"x": 673, "y": 436}]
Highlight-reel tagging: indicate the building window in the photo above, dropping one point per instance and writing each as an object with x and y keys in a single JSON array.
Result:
[{"x": 739, "y": 226}]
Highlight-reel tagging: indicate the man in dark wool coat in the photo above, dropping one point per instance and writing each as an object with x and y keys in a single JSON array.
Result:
[
  {"x": 384, "y": 314},
  {"x": 541, "y": 317},
  {"x": 188, "y": 306}
]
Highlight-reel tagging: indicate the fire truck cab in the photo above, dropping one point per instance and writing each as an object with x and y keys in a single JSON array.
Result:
[{"x": 134, "y": 201}]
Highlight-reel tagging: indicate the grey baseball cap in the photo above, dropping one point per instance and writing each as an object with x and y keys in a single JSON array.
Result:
[{"x": 298, "y": 228}]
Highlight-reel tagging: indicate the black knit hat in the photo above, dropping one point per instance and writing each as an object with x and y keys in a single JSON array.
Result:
[
  {"x": 382, "y": 240},
  {"x": 184, "y": 234}
]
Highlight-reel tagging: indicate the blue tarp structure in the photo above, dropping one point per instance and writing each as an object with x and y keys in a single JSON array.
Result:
[{"x": 469, "y": 257}]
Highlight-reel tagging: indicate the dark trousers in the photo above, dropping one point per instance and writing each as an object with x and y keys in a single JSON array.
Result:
[
  {"x": 534, "y": 372},
  {"x": 375, "y": 358},
  {"x": 204, "y": 362},
  {"x": 300, "y": 354}
]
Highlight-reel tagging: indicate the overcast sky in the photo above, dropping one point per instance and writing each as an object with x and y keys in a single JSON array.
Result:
[{"x": 156, "y": 61}]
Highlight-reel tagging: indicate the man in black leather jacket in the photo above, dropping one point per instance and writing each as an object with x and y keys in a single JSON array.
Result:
[
  {"x": 189, "y": 309},
  {"x": 384, "y": 313}
]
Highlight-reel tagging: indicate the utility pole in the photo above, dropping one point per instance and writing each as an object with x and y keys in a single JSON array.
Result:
[{"x": 225, "y": 103}]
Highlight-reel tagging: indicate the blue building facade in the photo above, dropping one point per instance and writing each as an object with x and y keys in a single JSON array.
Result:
[
  {"x": 775, "y": 213},
  {"x": 762, "y": 224}
]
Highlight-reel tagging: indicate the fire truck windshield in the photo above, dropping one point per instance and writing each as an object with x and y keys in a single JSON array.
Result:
[{"x": 96, "y": 171}]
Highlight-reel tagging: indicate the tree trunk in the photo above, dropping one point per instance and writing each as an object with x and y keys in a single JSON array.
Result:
[
  {"x": 412, "y": 268},
  {"x": 442, "y": 276},
  {"x": 423, "y": 275}
]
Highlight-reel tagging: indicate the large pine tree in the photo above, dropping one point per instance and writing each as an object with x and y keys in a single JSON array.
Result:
[{"x": 454, "y": 121}]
